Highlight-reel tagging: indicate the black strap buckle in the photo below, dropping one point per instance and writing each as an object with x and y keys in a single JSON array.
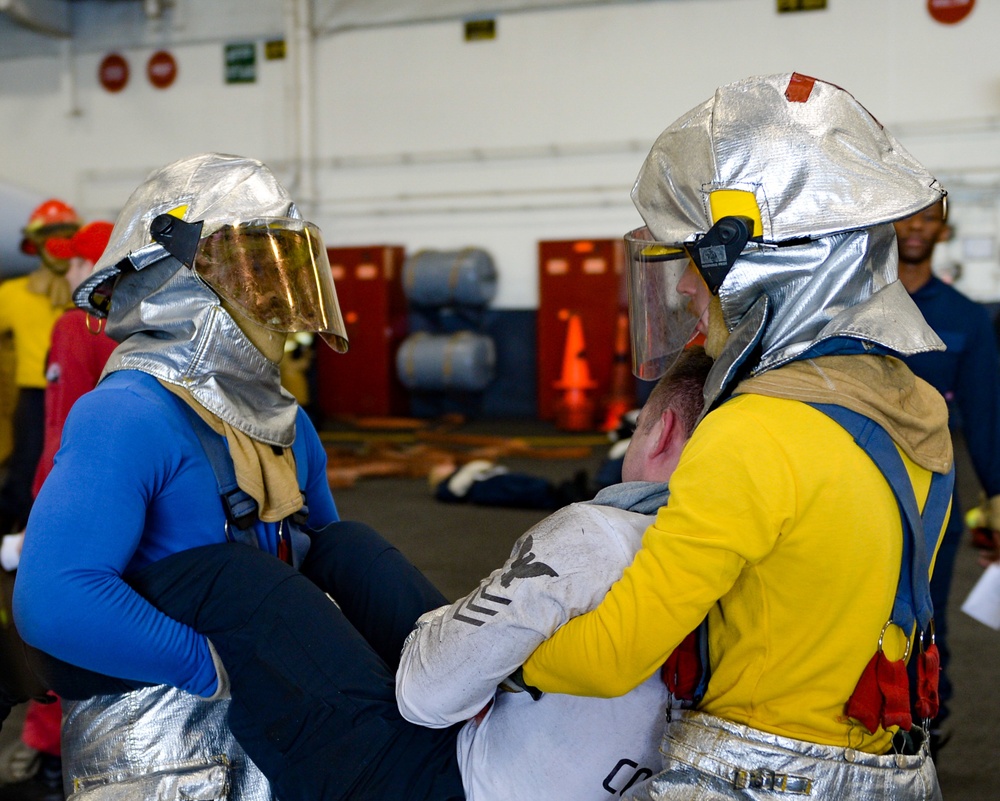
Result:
[
  {"x": 179, "y": 238},
  {"x": 241, "y": 509},
  {"x": 716, "y": 252}
]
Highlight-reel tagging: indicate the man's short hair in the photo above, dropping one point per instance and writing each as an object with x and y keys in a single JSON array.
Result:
[{"x": 681, "y": 389}]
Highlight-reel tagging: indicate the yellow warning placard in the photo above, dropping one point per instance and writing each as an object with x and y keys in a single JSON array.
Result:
[{"x": 800, "y": 5}]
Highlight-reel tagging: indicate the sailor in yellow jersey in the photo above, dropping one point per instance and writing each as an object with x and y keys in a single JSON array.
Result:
[
  {"x": 29, "y": 308},
  {"x": 768, "y": 212}
]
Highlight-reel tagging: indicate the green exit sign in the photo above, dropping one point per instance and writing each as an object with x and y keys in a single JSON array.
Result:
[{"x": 241, "y": 62}]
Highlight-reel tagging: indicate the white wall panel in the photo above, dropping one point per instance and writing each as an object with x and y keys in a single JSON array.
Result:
[{"x": 425, "y": 140}]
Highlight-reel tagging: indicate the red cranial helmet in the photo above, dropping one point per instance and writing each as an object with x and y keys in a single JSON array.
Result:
[{"x": 51, "y": 218}]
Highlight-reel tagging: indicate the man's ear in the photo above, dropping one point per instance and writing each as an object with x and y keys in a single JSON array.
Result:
[
  {"x": 945, "y": 234},
  {"x": 668, "y": 427}
]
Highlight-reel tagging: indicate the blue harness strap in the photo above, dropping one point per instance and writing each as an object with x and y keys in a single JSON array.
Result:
[
  {"x": 920, "y": 531},
  {"x": 239, "y": 506},
  {"x": 301, "y": 468}
]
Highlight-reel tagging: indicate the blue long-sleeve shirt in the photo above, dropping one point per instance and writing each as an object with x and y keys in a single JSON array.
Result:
[
  {"x": 967, "y": 373},
  {"x": 130, "y": 485}
]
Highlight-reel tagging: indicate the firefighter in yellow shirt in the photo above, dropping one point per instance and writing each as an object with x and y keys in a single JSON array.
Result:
[
  {"x": 769, "y": 214},
  {"x": 29, "y": 308}
]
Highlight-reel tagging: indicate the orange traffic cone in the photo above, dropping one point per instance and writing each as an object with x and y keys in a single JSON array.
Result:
[
  {"x": 575, "y": 410},
  {"x": 622, "y": 396}
]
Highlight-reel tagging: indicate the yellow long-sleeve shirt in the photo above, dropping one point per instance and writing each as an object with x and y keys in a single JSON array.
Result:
[
  {"x": 30, "y": 317},
  {"x": 785, "y": 533}
]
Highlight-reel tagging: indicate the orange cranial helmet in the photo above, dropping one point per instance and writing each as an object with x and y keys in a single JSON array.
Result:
[{"x": 51, "y": 218}]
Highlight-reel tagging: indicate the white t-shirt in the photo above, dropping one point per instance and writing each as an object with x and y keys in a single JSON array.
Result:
[{"x": 560, "y": 747}]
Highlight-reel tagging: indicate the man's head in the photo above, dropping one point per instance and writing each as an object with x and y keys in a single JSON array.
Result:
[
  {"x": 221, "y": 225},
  {"x": 53, "y": 218},
  {"x": 81, "y": 251},
  {"x": 916, "y": 237},
  {"x": 780, "y": 191},
  {"x": 667, "y": 419}
]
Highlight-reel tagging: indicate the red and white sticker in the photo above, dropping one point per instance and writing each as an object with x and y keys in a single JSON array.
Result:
[
  {"x": 161, "y": 69},
  {"x": 948, "y": 12},
  {"x": 113, "y": 72}
]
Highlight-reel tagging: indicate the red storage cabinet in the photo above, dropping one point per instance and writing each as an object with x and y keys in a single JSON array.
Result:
[
  {"x": 584, "y": 277},
  {"x": 363, "y": 382}
]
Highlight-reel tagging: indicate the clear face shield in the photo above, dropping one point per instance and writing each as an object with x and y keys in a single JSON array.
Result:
[
  {"x": 671, "y": 283},
  {"x": 662, "y": 319},
  {"x": 274, "y": 270}
]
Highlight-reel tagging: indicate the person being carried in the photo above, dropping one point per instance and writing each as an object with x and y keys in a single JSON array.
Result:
[
  {"x": 769, "y": 213},
  {"x": 560, "y": 746}
]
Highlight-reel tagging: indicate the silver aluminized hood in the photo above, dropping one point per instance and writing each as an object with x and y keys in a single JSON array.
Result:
[
  {"x": 173, "y": 326},
  {"x": 828, "y": 181},
  {"x": 169, "y": 322},
  {"x": 786, "y": 303},
  {"x": 817, "y": 162},
  {"x": 215, "y": 188}
]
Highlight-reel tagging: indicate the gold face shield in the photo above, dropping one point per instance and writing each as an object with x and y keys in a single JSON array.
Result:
[{"x": 277, "y": 273}]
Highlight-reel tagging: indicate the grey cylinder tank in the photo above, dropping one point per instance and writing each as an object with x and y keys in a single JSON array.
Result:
[
  {"x": 450, "y": 278},
  {"x": 462, "y": 361}
]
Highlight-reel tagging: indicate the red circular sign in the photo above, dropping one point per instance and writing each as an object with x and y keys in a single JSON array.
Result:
[
  {"x": 950, "y": 11},
  {"x": 161, "y": 69},
  {"x": 113, "y": 72}
]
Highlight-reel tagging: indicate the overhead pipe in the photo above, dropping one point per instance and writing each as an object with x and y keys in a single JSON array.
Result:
[
  {"x": 72, "y": 86},
  {"x": 300, "y": 86},
  {"x": 484, "y": 155},
  {"x": 49, "y": 17}
]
